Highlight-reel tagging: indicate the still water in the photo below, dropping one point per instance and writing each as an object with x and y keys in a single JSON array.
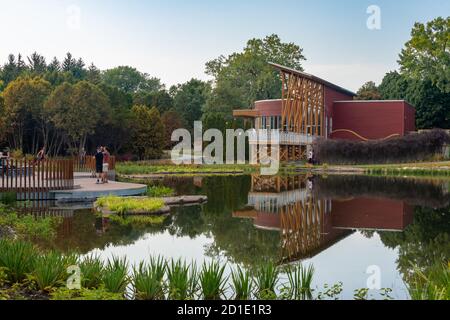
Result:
[{"x": 349, "y": 227}]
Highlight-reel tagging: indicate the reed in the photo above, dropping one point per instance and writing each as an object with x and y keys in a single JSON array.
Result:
[
  {"x": 299, "y": 283},
  {"x": 266, "y": 279},
  {"x": 92, "y": 268},
  {"x": 242, "y": 284},
  {"x": 115, "y": 276},
  {"x": 148, "y": 280},
  {"x": 179, "y": 280},
  {"x": 17, "y": 258},
  {"x": 212, "y": 281},
  {"x": 50, "y": 271}
]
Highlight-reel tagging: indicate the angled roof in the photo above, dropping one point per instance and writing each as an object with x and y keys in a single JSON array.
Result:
[{"x": 312, "y": 77}]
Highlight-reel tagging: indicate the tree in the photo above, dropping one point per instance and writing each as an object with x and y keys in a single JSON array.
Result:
[
  {"x": 93, "y": 74},
  {"x": 161, "y": 99},
  {"x": 77, "y": 110},
  {"x": 427, "y": 54},
  {"x": 24, "y": 100},
  {"x": 130, "y": 80},
  {"x": 245, "y": 77},
  {"x": 369, "y": 91},
  {"x": 172, "y": 121},
  {"x": 190, "y": 100},
  {"x": 36, "y": 64},
  {"x": 148, "y": 133},
  {"x": 432, "y": 108}
]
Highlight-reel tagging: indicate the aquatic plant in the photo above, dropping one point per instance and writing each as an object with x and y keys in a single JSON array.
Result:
[
  {"x": 212, "y": 281},
  {"x": 433, "y": 284},
  {"x": 17, "y": 258},
  {"x": 299, "y": 283},
  {"x": 115, "y": 276},
  {"x": 181, "y": 280},
  {"x": 92, "y": 268},
  {"x": 148, "y": 280},
  {"x": 242, "y": 284},
  {"x": 50, "y": 270},
  {"x": 159, "y": 191},
  {"x": 266, "y": 279},
  {"x": 126, "y": 205}
]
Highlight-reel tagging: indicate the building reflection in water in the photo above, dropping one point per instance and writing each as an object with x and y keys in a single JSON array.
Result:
[{"x": 308, "y": 223}]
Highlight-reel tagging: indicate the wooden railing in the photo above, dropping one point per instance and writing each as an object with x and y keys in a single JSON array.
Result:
[
  {"x": 87, "y": 164},
  {"x": 33, "y": 180}
]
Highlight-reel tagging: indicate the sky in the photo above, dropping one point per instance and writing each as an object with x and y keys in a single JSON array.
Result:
[{"x": 173, "y": 39}]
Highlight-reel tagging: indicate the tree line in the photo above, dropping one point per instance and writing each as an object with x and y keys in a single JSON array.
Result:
[
  {"x": 424, "y": 76},
  {"x": 67, "y": 106}
]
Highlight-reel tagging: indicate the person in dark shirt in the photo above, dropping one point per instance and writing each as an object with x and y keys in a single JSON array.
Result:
[{"x": 99, "y": 164}]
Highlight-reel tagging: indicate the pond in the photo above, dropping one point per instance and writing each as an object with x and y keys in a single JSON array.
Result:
[{"x": 351, "y": 228}]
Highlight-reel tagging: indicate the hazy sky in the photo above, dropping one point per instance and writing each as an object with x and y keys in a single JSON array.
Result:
[{"x": 172, "y": 39}]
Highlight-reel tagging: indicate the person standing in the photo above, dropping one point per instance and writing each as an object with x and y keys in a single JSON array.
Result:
[
  {"x": 99, "y": 164},
  {"x": 41, "y": 155},
  {"x": 106, "y": 157}
]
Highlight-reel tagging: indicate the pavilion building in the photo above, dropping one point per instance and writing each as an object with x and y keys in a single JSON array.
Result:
[{"x": 311, "y": 107}]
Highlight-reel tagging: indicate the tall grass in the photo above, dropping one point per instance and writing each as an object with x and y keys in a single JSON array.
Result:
[
  {"x": 92, "y": 268},
  {"x": 18, "y": 259},
  {"x": 242, "y": 284},
  {"x": 299, "y": 283},
  {"x": 266, "y": 279},
  {"x": 433, "y": 284},
  {"x": 181, "y": 280},
  {"x": 148, "y": 280},
  {"x": 50, "y": 270},
  {"x": 115, "y": 276},
  {"x": 212, "y": 281}
]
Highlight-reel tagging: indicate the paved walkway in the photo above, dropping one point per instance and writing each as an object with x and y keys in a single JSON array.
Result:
[{"x": 86, "y": 189}]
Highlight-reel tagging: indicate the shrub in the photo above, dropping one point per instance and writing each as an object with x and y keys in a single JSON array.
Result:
[
  {"x": 115, "y": 276},
  {"x": 92, "y": 268},
  {"x": 49, "y": 271},
  {"x": 212, "y": 281},
  {"x": 266, "y": 280},
  {"x": 148, "y": 280},
  {"x": 413, "y": 147},
  {"x": 17, "y": 258}
]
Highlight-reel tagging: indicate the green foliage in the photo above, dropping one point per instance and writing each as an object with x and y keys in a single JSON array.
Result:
[
  {"x": 138, "y": 222},
  {"x": 130, "y": 80},
  {"x": 433, "y": 284},
  {"x": 212, "y": 281},
  {"x": 190, "y": 100},
  {"x": 17, "y": 258},
  {"x": 331, "y": 292},
  {"x": 147, "y": 133},
  {"x": 369, "y": 91},
  {"x": 299, "y": 283},
  {"x": 244, "y": 77},
  {"x": 49, "y": 271},
  {"x": 160, "y": 191},
  {"x": 115, "y": 275},
  {"x": 172, "y": 121},
  {"x": 148, "y": 280},
  {"x": 132, "y": 168},
  {"x": 27, "y": 226},
  {"x": 426, "y": 55},
  {"x": 85, "y": 294},
  {"x": 266, "y": 279},
  {"x": 242, "y": 284},
  {"x": 8, "y": 198},
  {"x": 92, "y": 268},
  {"x": 181, "y": 280},
  {"x": 122, "y": 205}
]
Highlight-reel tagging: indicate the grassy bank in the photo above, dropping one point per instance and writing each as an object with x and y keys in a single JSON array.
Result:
[{"x": 145, "y": 168}]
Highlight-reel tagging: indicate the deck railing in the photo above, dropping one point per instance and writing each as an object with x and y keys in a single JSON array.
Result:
[
  {"x": 33, "y": 180},
  {"x": 87, "y": 164}
]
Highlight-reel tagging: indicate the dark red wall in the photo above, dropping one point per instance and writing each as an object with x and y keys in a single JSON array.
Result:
[
  {"x": 331, "y": 96},
  {"x": 268, "y": 108},
  {"x": 372, "y": 119},
  {"x": 366, "y": 213}
]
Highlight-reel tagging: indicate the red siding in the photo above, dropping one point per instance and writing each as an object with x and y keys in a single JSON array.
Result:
[
  {"x": 372, "y": 119},
  {"x": 268, "y": 108},
  {"x": 331, "y": 96},
  {"x": 365, "y": 213}
]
